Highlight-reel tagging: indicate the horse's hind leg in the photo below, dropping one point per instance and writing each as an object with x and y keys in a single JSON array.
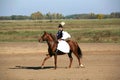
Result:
[
  {"x": 46, "y": 58},
  {"x": 79, "y": 61},
  {"x": 71, "y": 59}
]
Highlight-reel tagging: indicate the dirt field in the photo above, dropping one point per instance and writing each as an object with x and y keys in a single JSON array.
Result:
[{"x": 22, "y": 60}]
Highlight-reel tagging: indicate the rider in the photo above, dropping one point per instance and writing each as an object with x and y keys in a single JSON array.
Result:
[
  {"x": 61, "y": 37},
  {"x": 60, "y": 29}
]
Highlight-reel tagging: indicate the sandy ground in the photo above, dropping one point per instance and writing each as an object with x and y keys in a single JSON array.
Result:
[{"x": 21, "y": 61}]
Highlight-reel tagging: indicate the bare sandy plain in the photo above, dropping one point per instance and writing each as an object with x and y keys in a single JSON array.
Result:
[{"x": 22, "y": 61}]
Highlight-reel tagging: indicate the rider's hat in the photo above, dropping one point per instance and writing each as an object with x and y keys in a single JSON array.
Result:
[{"x": 61, "y": 25}]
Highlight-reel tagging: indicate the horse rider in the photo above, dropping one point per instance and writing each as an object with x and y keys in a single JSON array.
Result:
[{"x": 62, "y": 35}]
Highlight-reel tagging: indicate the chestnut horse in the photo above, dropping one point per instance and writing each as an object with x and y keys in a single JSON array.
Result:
[{"x": 52, "y": 46}]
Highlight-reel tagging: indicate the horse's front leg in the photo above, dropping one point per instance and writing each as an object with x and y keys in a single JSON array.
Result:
[
  {"x": 55, "y": 60},
  {"x": 46, "y": 58},
  {"x": 71, "y": 59}
]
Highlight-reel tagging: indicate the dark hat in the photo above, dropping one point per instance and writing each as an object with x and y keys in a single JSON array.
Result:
[{"x": 60, "y": 26}]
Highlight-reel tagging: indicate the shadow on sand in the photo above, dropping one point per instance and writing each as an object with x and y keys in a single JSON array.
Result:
[{"x": 32, "y": 68}]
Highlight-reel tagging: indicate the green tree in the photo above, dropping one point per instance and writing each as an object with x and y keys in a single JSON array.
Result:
[
  {"x": 59, "y": 16},
  {"x": 115, "y": 14},
  {"x": 48, "y": 15},
  {"x": 92, "y": 16},
  {"x": 100, "y": 16},
  {"x": 37, "y": 15}
]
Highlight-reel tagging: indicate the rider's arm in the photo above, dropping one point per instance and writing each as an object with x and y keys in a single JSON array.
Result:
[{"x": 59, "y": 34}]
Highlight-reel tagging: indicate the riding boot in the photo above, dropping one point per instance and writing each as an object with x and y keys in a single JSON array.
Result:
[{"x": 58, "y": 52}]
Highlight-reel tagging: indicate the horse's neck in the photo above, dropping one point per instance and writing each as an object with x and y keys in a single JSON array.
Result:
[{"x": 51, "y": 43}]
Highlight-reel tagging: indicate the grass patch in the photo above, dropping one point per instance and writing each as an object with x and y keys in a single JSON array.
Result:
[{"x": 105, "y": 30}]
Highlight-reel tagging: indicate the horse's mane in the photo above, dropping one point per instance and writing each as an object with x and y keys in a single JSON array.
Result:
[{"x": 53, "y": 37}]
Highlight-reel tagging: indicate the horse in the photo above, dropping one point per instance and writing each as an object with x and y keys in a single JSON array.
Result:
[{"x": 52, "y": 46}]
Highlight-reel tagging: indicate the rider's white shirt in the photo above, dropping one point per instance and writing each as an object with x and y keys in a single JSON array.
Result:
[
  {"x": 66, "y": 35},
  {"x": 63, "y": 45}
]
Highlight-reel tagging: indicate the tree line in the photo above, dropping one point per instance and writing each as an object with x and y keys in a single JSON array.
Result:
[
  {"x": 94, "y": 16},
  {"x": 34, "y": 16},
  {"x": 39, "y": 16}
]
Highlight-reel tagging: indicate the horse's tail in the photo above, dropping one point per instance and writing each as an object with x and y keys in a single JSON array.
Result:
[{"x": 79, "y": 52}]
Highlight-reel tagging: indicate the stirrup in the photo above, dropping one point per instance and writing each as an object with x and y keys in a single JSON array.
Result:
[{"x": 56, "y": 51}]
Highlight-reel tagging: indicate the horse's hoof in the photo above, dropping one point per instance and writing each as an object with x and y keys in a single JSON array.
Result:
[
  {"x": 42, "y": 67},
  {"x": 82, "y": 66},
  {"x": 55, "y": 68},
  {"x": 67, "y": 67}
]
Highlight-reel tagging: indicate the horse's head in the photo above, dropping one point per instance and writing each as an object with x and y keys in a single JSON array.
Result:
[{"x": 45, "y": 37}]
